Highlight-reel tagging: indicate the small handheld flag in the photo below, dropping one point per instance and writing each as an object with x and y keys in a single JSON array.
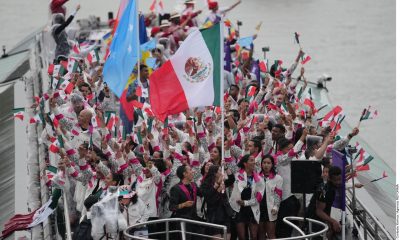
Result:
[
  {"x": 367, "y": 114},
  {"x": 384, "y": 175},
  {"x": 19, "y": 113}
]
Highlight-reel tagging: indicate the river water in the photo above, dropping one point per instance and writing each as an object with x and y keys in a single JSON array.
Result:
[{"x": 353, "y": 41}]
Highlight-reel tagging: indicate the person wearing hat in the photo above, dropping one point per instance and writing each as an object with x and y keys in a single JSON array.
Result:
[
  {"x": 60, "y": 35},
  {"x": 164, "y": 29},
  {"x": 189, "y": 15},
  {"x": 217, "y": 14},
  {"x": 133, "y": 208},
  {"x": 178, "y": 27}
]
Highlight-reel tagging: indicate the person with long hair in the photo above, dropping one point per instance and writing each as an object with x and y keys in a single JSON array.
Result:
[
  {"x": 216, "y": 155},
  {"x": 272, "y": 197},
  {"x": 218, "y": 209},
  {"x": 246, "y": 197}
]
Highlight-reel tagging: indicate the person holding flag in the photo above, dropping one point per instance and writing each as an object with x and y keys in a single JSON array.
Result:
[
  {"x": 216, "y": 13},
  {"x": 189, "y": 13},
  {"x": 60, "y": 35}
]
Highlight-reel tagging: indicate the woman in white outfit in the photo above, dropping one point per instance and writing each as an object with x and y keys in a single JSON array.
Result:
[{"x": 271, "y": 200}]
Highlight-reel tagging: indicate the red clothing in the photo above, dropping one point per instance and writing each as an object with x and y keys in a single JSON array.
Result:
[
  {"x": 192, "y": 22},
  {"x": 57, "y": 6}
]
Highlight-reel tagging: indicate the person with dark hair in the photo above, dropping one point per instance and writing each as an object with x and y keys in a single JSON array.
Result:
[
  {"x": 322, "y": 200},
  {"x": 246, "y": 197},
  {"x": 272, "y": 197},
  {"x": 86, "y": 91},
  {"x": 255, "y": 148},
  {"x": 60, "y": 36},
  {"x": 290, "y": 205},
  {"x": 132, "y": 207},
  {"x": 277, "y": 132},
  {"x": 216, "y": 155},
  {"x": 183, "y": 196},
  {"x": 214, "y": 192},
  {"x": 234, "y": 91},
  {"x": 144, "y": 86}
]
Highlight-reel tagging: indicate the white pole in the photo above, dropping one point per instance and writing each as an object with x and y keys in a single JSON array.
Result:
[
  {"x": 66, "y": 212},
  {"x": 222, "y": 81},
  {"x": 344, "y": 224}
]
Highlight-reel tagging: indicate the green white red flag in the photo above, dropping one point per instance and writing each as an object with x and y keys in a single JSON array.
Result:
[
  {"x": 368, "y": 114},
  {"x": 191, "y": 78},
  {"x": 93, "y": 56},
  {"x": 19, "y": 113},
  {"x": 38, "y": 118}
]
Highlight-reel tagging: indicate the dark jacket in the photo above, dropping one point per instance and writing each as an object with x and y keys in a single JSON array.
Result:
[{"x": 178, "y": 196}]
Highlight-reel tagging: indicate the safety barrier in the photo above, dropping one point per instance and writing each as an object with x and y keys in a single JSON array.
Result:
[{"x": 183, "y": 230}]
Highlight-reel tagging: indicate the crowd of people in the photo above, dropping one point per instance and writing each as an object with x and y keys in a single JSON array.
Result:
[{"x": 232, "y": 170}]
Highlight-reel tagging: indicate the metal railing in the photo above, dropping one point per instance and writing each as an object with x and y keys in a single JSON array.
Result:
[
  {"x": 303, "y": 235},
  {"x": 366, "y": 221},
  {"x": 183, "y": 230}
]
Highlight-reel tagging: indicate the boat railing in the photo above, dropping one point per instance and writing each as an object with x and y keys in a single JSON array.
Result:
[
  {"x": 366, "y": 221},
  {"x": 183, "y": 231}
]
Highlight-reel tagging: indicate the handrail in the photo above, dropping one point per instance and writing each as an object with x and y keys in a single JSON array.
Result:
[
  {"x": 377, "y": 224},
  {"x": 223, "y": 228},
  {"x": 304, "y": 236},
  {"x": 183, "y": 222}
]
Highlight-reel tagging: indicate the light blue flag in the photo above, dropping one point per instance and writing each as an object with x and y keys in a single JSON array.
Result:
[
  {"x": 151, "y": 62},
  {"x": 245, "y": 41},
  {"x": 150, "y": 45},
  {"x": 123, "y": 50}
]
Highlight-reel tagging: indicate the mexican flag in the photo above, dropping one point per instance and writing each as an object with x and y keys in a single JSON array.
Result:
[
  {"x": 26, "y": 221},
  {"x": 55, "y": 70},
  {"x": 362, "y": 157},
  {"x": 19, "y": 113},
  {"x": 55, "y": 119},
  {"x": 305, "y": 59},
  {"x": 76, "y": 48},
  {"x": 72, "y": 65},
  {"x": 55, "y": 146},
  {"x": 67, "y": 86},
  {"x": 332, "y": 117},
  {"x": 368, "y": 114},
  {"x": 192, "y": 77},
  {"x": 111, "y": 120},
  {"x": 93, "y": 56},
  {"x": 38, "y": 118}
]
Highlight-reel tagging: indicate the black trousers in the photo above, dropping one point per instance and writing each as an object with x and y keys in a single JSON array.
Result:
[{"x": 289, "y": 207}]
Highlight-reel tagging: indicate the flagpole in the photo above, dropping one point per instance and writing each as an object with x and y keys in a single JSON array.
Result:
[
  {"x": 138, "y": 48},
  {"x": 353, "y": 203},
  {"x": 66, "y": 212},
  {"x": 221, "y": 28},
  {"x": 362, "y": 115}
]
